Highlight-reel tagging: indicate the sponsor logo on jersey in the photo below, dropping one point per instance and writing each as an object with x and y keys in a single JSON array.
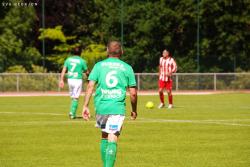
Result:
[
  {"x": 113, "y": 127},
  {"x": 113, "y": 93},
  {"x": 114, "y": 65},
  {"x": 75, "y": 60}
]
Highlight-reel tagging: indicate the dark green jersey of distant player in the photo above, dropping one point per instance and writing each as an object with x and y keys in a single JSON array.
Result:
[
  {"x": 112, "y": 76},
  {"x": 76, "y": 66}
]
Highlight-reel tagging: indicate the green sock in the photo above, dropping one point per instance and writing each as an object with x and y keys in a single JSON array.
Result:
[
  {"x": 73, "y": 107},
  {"x": 104, "y": 144},
  {"x": 111, "y": 154}
]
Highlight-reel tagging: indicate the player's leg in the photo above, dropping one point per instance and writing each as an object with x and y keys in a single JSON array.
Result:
[
  {"x": 113, "y": 127},
  {"x": 101, "y": 121},
  {"x": 161, "y": 94},
  {"x": 111, "y": 150},
  {"x": 71, "y": 87},
  {"x": 73, "y": 107},
  {"x": 75, "y": 86},
  {"x": 169, "y": 91},
  {"x": 103, "y": 147}
]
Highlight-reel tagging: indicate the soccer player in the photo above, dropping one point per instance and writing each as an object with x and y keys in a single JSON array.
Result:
[
  {"x": 112, "y": 77},
  {"x": 75, "y": 66},
  {"x": 167, "y": 66}
]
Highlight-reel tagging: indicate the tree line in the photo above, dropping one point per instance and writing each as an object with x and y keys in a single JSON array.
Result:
[{"x": 202, "y": 35}]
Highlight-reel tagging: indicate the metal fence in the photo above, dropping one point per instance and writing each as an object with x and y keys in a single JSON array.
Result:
[
  {"x": 198, "y": 81},
  {"x": 43, "y": 82}
]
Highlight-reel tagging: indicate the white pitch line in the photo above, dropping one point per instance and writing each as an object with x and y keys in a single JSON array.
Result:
[
  {"x": 40, "y": 123},
  {"x": 234, "y": 120},
  {"x": 232, "y": 124},
  {"x": 139, "y": 120},
  {"x": 226, "y": 122},
  {"x": 30, "y": 113}
]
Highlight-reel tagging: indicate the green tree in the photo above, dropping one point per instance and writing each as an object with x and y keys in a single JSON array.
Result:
[
  {"x": 94, "y": 53},
  {"x": 16, "y": 69},
  {"x": 59, "y": 47},
  {"x": 225, "y": 34},
  {"x": 16, "y": 38},
  {"x": 79, "y": 19},
  {"x": 150, "y": 26}
]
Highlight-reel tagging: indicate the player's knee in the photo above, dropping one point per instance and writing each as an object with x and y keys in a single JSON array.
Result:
[
  {"x": 104, "y": 135},
  {"x": 112, "y": 137}
]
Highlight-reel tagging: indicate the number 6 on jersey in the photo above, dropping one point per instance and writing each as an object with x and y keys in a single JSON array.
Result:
[{"x": 111, "y": 79}]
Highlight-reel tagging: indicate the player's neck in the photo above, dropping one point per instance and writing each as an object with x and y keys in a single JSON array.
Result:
[{"x": 114, "y": 56}]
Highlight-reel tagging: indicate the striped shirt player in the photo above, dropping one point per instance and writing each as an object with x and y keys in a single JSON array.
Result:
[{"x": 167, "y": 66}]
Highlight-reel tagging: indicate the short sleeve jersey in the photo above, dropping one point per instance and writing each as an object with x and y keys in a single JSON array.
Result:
[
  {"x": 112, "y": 76},
  {"x": 75, "y": 66},
  {"x": 166, "y": 65}
]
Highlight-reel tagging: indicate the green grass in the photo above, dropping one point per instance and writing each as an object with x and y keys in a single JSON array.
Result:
[{"x": 201, "y": 131}]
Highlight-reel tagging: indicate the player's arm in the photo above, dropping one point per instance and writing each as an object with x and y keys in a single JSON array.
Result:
[
  {"x": 159, "y": 73},
  {"x": 133, "y": 99},
  {"x": 87, "y": 73},
  {"x": 174, "y": 67},
  {"x": 61, "y": 83},
  {"x": 85, "y": 69},
  {"x": 88, "y": 95}
]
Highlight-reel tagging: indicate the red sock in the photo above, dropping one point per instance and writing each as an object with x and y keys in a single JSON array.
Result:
[
  {"x": 161, "y": 97},
  {"x": 170, "y": 99}
]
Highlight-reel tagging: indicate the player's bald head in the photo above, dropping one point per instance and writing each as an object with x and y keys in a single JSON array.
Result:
[{"x": 114, "y": 48}]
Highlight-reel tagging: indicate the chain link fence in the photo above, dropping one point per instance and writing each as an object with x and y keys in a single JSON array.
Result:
[{"x": 44, "y": 82}]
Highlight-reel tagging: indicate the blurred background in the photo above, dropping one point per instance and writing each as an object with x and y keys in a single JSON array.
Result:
[{"x": 204, "y": 36}]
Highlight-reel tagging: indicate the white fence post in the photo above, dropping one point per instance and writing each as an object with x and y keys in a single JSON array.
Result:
[
  {"x": 215, "y": 80},
  {"x": 59, "y": 89},
  {"x": 176, "y": 82},
  {"x": 138, "y": 81},
  {"x": 17, "y": 82}
]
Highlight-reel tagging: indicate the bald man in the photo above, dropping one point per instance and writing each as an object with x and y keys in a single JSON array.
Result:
[{"x": 113, "y": 77}]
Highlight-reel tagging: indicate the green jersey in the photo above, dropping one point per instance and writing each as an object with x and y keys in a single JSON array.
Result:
[
  {"x": 112, "y": 76},
  {"x": 75, "y": 66}
]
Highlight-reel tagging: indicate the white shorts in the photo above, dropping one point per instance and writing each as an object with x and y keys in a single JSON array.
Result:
[
  {"x": 110, "y": 123},
  {"x": 75, "y": 87}
]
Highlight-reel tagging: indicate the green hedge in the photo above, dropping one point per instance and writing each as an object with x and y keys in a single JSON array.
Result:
[{"x": 23, "y": 82}]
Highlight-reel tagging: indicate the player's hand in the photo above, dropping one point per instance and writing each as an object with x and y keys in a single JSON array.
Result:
[
  {"x": 85, "y": 113},
  {"x": 133, "y": 115},
  {"x": 61, "y": 84}
]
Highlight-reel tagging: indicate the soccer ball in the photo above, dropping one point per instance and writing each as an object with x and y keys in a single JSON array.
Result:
[{"x": 149, "y": 105}]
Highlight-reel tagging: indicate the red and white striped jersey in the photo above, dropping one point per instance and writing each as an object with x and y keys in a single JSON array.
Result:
[{"x": 167, "y": 66}]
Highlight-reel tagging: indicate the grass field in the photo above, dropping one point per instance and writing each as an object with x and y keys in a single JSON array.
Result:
[{"x": 201, "y": 131}]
